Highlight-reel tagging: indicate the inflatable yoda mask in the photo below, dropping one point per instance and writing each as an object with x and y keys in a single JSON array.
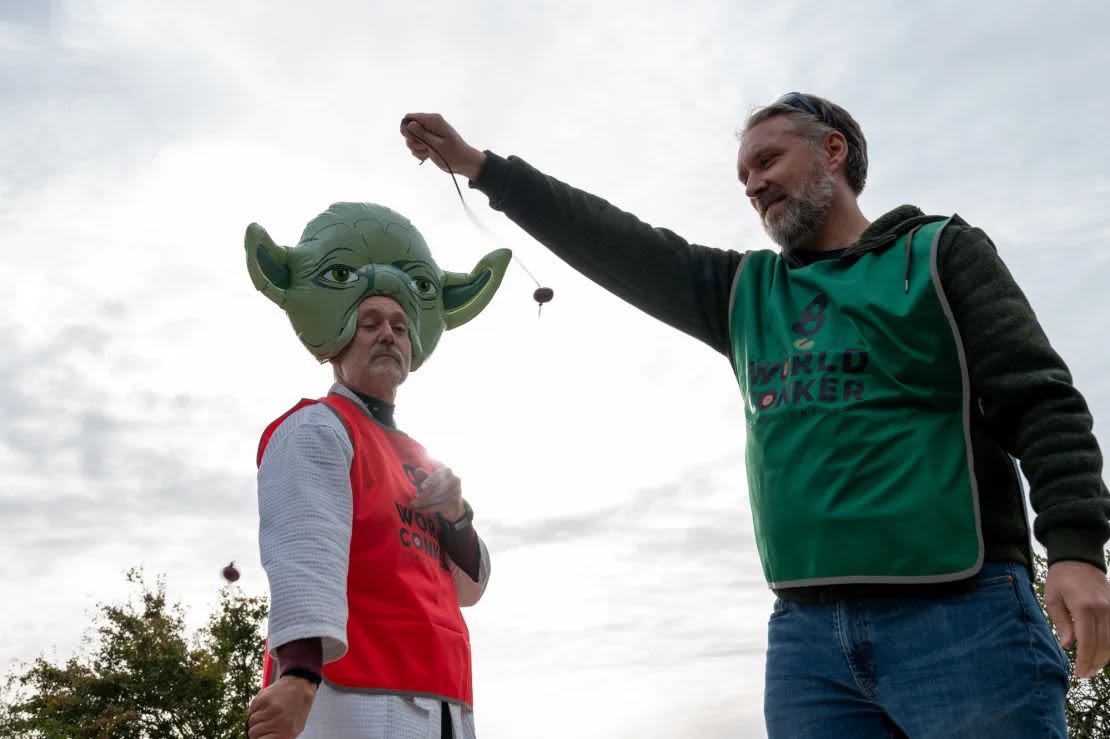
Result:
[{"x": 352, "y": 251}]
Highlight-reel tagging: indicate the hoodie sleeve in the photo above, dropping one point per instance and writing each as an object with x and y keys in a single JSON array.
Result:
[
  {"x": 685, "y": 285},
  {"x": 1027, "y": 398}
]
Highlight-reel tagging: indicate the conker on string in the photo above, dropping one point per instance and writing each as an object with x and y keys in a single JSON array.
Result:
[
  {"x": 231, "y": 574},
  {"x": 542, "y": 294}
]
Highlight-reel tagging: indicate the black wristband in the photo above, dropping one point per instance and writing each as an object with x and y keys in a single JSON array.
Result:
[{"x": 304, "y": 674}]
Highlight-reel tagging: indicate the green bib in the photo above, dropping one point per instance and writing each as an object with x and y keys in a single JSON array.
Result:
[{"x": 857, "y": 403}]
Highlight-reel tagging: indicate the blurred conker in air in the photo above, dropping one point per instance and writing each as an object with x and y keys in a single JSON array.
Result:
[{"x": 543, "y": 295}]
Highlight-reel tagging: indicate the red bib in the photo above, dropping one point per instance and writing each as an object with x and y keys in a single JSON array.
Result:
[{"x": 405, "y": 632}]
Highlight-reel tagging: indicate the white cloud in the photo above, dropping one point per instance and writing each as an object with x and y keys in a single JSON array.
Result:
[{"x": 601, "y": 449}]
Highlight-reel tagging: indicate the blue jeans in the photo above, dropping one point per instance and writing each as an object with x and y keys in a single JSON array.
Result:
[{"x": 981, "y": 662}]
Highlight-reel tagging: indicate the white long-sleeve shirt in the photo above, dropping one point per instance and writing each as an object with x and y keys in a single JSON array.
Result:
[{"x": 305, "y": 510}]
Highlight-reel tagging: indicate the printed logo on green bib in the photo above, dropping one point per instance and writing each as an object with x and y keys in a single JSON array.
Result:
[
  {"x": 856, "y": 400},
  {"x": 804, "y": 373}
]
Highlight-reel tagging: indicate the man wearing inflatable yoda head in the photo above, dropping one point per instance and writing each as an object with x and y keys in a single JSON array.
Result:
[{"x": 367, "y": 542}]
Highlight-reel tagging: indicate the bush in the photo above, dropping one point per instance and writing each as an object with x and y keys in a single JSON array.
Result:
[{"x": 139, "y": 675}]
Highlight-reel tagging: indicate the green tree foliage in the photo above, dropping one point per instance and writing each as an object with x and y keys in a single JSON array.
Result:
[
  {"x": 1088, "y": 703},
  {"x": 139, "y": 675}
]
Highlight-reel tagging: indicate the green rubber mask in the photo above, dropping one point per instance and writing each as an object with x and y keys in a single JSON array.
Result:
[{"x": 352, "y": 251}]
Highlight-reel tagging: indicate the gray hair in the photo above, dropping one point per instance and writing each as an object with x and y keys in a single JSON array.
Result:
[{"x": 813, "y": 117}]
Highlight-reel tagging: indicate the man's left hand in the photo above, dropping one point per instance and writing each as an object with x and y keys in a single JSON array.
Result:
[
  {"x": 281, "y": 709},
  {"x": 439, "y": 492},
  {"x": 1077, "y": 597}
]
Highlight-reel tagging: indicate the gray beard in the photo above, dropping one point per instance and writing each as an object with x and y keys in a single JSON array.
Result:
[{"x": 798, "y": 226}]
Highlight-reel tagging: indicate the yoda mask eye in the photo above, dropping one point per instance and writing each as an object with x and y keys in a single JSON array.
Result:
[{"x": 355, "y": 250}]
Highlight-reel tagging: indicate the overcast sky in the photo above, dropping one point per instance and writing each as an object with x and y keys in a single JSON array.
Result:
[{"x": 601, "y": 450}]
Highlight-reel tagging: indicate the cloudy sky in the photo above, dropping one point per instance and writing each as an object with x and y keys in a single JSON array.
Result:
[{"x": 601, "y": 450}]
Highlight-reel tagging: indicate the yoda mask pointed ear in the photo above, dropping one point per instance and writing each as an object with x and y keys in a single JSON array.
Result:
[{"x": 355, "y": 250}]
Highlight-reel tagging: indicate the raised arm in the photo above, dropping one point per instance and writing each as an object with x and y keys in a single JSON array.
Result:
[{"x": 684, "y": 285}]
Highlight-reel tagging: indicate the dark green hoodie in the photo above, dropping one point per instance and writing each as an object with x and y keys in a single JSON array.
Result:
[{"x": 1027, "y": 407}]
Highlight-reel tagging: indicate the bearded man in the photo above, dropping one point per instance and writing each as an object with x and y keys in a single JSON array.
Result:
[{"x": 892, "y": 372}]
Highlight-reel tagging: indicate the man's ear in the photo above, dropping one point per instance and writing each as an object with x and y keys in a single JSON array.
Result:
[
  {"x": 267, "y": 263},
  {"x": 466, "y": 295},
  {"x": 835, "y": 147}
]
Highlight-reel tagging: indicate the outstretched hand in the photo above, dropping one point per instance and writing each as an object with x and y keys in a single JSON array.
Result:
[
  {"x": 447, "y": 149},
  {"x": 1077, "y": 597}
]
